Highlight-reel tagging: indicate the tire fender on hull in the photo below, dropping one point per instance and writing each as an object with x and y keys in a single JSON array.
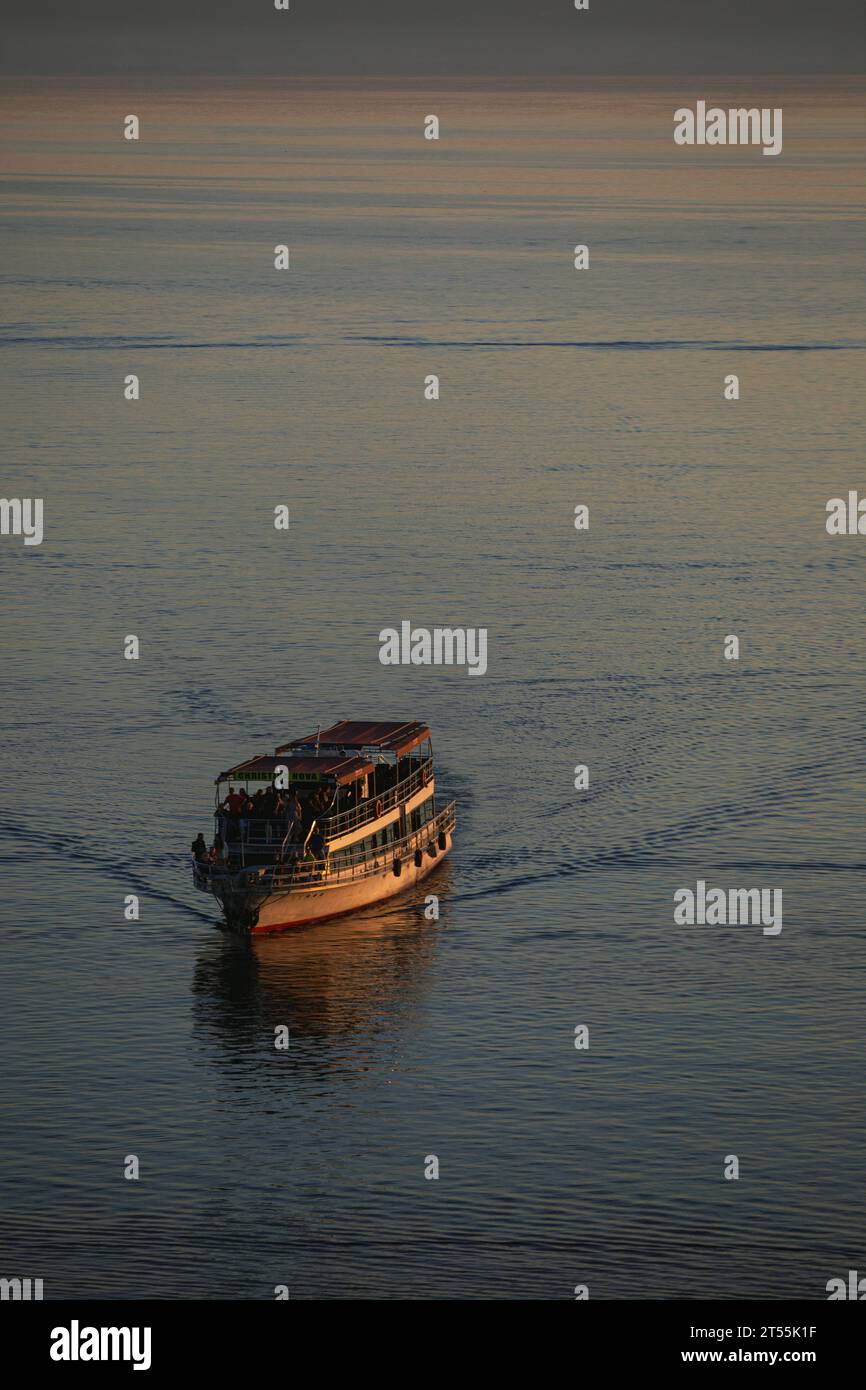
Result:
[{"x": 301, "y": 910}]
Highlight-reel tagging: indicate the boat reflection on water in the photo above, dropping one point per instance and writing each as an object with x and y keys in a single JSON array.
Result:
[{"x": 364, "y": 974}]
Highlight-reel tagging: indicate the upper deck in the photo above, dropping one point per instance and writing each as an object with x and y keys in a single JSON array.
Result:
[{"x": 343, "y": 778}]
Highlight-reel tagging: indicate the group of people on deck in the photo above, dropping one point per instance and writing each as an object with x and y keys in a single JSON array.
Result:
[{"x": 278, "y": 817}]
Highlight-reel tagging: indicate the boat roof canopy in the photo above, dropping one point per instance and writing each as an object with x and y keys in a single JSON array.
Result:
[
  {"x": 386, "y": 737},
  {"x": 307, "y": 768}
]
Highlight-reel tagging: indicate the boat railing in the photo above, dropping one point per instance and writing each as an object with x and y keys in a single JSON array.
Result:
[
  {"x": 270, "y": 830},
  {"x": 269, "y": 878},
  {"x": 264, "y": 830},
  {"x": 345, "y": 821}
]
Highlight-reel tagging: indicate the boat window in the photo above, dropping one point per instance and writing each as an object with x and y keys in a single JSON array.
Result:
[{"x": 422, "y": 814}]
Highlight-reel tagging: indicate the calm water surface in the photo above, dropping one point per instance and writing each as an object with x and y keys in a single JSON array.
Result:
[{"x": 453, "y": 1038}]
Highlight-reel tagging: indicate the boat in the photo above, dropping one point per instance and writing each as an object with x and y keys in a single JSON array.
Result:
[{"x": 325, "y": 825}]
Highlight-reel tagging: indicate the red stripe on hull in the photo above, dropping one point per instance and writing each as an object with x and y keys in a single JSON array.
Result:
[{"x": 306, "y": 921}]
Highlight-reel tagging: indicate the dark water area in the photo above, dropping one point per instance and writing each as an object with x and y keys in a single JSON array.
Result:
[{"x": 409, "y": 1037}]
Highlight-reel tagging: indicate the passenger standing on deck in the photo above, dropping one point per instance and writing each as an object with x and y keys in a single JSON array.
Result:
[
  {"x": 294, "y": 813},
  {"x": 245, "y": 813},
  {"x": 278, "y": 808},
  {"x": 266, "y": 807},
  {"x": 317, "y": 845},
  {"x": 232, "y": 804}
]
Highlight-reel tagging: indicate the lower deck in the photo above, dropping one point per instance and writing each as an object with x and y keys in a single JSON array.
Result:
[{"x": 293, "y": 891}]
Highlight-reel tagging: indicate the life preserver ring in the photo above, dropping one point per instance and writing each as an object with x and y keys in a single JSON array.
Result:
[{"x": 379, "y": 809}]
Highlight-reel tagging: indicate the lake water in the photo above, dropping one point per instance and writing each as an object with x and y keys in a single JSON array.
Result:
[{"x": 605, "y": 387}]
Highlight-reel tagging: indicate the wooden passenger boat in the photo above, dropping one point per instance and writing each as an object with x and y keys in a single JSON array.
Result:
[{"x": 344, "y": 818}]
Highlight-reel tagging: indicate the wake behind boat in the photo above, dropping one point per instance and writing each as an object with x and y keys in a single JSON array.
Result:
[{"x": 336, "y": 821}]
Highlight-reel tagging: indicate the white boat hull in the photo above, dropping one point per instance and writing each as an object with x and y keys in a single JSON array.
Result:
[{"x": 332, "y": 898}]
